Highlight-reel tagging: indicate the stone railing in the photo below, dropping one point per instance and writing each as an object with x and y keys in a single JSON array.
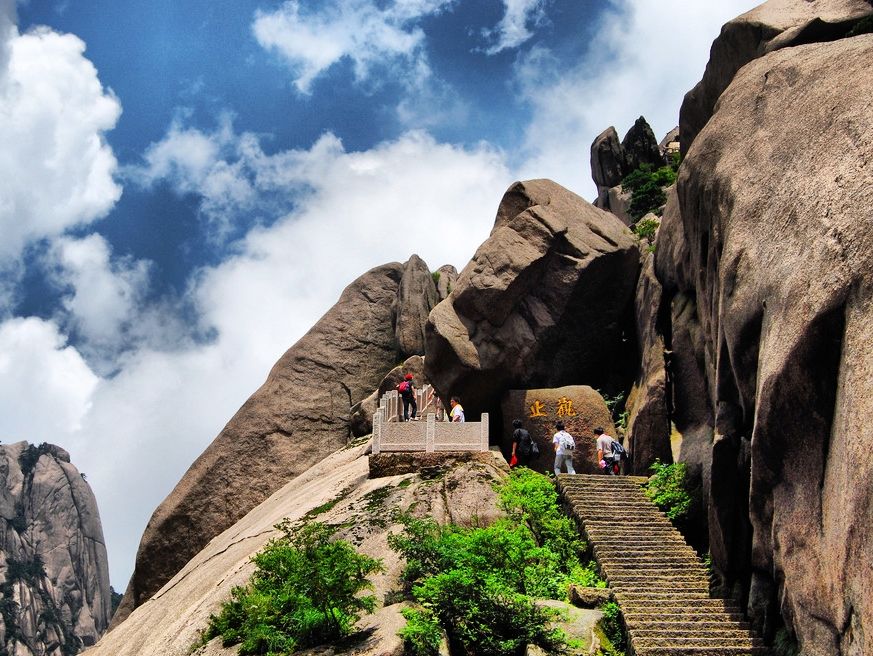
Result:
[{"x": 390, "y": 433}]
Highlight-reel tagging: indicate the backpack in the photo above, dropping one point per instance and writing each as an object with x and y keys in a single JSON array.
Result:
[
  {"x": 525, "y": 443},
  {"x": 405, "y": 388},
  {"x": 566, "y": 441},
  {"x": 618, "y": 451}
]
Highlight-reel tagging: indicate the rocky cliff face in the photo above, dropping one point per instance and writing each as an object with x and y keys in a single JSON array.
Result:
[
  {"x": 766, "y": 258},
  {"x": 299, "y": 415},
  {"x": 338, "y": 491},
  {"x": 54, "y": 575},
  {"x": 543, "y": 303}
]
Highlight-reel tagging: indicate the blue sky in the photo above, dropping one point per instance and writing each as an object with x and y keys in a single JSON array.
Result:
[{"x": 185, "y": 187}]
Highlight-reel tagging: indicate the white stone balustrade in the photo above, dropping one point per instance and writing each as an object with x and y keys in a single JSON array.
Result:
[{"x": 390, "y": 433}]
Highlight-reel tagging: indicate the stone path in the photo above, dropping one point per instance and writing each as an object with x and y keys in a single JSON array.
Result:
[{"x": 658, "y": 580}]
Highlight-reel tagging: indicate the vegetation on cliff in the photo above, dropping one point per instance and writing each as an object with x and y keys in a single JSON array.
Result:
[
  {"x": 478, "y": 584},
  {"x": 304, "y": 592}
]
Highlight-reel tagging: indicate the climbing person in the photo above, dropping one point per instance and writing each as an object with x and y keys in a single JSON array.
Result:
[
  {"x": 564, "y": 446},
  {"x": 457, "y": 412},
  {"x": 605, "y": 453},
  {"x": 524, "y": 449},
  {"x": 407, "y": 393}
]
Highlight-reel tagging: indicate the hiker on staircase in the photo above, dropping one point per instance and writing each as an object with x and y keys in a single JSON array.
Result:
[
  {"x": 609, "y": 452},
  {"x": 407, "y": 393},
  {"x": 565, "y": 445}
]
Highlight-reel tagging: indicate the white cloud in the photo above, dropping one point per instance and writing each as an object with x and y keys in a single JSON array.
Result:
[
  {"x": 645, "y": 56},
  {"x": 354, "y": 211},
  {"x": 512, "y": 30},
  {"x": 311, "y": 41},
  {"x": 54, "y": 163},
  {"x": 46, "y": 387},
  {"x": 103, "y": 296}
]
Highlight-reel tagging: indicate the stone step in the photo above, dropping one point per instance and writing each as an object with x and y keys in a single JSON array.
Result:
[
  {"x": 726, "y": 634},
  {"x": 737, "y": 643},
  {"x": 681, "y": 614},
  {"x": 644, "y": 606},
  {"x": 702, "y": 651},
  {"x": 646, "y": 561},
  {"x": 707, "y": 623},
  {"x": 659, "y": 582}
]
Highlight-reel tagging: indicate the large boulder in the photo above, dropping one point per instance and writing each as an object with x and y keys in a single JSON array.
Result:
[
  {"x": 543, "y": 303},
  {"x": 768, "y": 27},
  {"x": 446, "y": 280},
  {"x": 416, "y": 297},
  {"x": 648, "y": 424},
  {"x": 607, "y": 159},
  {"x": 53, "y": 566},
  {"x": 580, "y": 407},
  {"x": 299, "y": 415},
  {"x": 640, "y": 146},
  {"x": 772, "y": 288}
]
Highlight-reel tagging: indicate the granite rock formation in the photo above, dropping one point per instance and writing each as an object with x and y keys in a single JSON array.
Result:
[
  {"x": 416, "y": 297},
  {"x": 648, "y": 425},
  {"x": 612, "y": 160},
  {"x": 639, "y": 146},
  {"x": 766, "y": 257},
  {"x": 298, "y": 416},
  {"x": 543, "y": 303},
  {"x": 168, "y": 624},
  {"x": 54, "y": 574},
  {"x": 448, "y": 277},
  {"x": 580, "y": 407},
  {"x": 766, "y": 28},
  {"x": 362, "y": 412}
]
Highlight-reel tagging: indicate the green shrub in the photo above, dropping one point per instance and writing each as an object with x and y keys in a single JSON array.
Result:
[
  {"x": 422, "y": 634},
  {"x": 530, "y": 498},
  {"x": 645, "y": 229},
  {"x": 784, "y": 644},
  {"x": 646, "y": 185},
  {"x": 667, "y": 488},
  {"x": 436, "y": 277},
  {"x": 479, "y": 583},
  {"x": 305, "y": 591},
  {"x": 612, "y": 626}
]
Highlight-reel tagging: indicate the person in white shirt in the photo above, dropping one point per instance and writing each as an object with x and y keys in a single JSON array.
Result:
[
  {"x": 564, "y": 448},
  {"x": 457, "y": 410}
]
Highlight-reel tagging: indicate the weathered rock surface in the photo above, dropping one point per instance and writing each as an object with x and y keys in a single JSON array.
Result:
[
  {"x": 416, "y": 297},
  {"x": 543, "y": 303},
  {"x": 361, "y": 420},
  {"x": 580, "y": 407},
  {"x": 299, "y": 415},
  {"x": 607, "y": 159},
  {"x": 447, "y": 279},
  {"x": 168, "y": 624},
  {"x": 768, "y": 27},
  {"x": 54, "y": 574},
  {"x": 640, "y": 146},
  {"x": 771, "y": 279},
  {"x": 648, "y": 425}
]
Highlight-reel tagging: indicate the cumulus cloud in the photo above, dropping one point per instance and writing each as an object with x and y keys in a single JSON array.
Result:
[
  {"x": 646, "y": 54},
  {"x": 512, "y": 30},
  {"x": 363, "y": 32},
  {"x": 102, "y": 296},
  {"x": 353, "y": 211},
  {"x": 56, "y": 167},
  {"x": 46, "y": 387}
]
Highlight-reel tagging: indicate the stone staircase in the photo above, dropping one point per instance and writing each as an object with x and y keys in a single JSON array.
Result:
[{"x": 658, "y": 581}]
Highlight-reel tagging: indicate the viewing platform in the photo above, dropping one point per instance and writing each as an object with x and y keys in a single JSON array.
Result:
[{"x": 428, "y": 435}]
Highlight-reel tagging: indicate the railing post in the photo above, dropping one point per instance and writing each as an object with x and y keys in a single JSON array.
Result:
[
  {"x": 431, "y": 433},
  {"x": 377, "y": 430},
  {"x": 483, "y": 446}
]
